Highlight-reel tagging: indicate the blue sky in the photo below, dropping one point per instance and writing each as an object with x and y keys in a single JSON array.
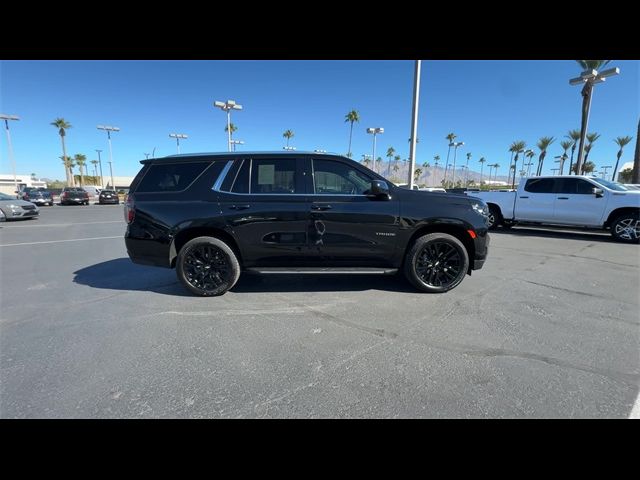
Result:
[{"x": 488, "y": 104}]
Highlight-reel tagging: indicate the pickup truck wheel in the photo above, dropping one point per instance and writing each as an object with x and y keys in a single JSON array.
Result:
[
  {"x": 495, "y": 217},
  {"x": 626, "y": 228},
  {"x": 207, "y": 266},
  {"x": 436, "y": 262}
]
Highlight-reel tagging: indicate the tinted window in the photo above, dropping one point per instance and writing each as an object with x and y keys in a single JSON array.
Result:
[
  {"x": 540, "y": 185},
  {"x": 575, "y": 186},
  {"x": 241, "y": 183},
  {"x": 273, "y": 176},
  {"x": 172, "y": 177},
  {"x": 338, "y": 178}
]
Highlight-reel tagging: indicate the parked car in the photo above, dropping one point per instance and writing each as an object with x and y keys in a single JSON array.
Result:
[
  {"x": 212, "y": 216},
  {"x": 108, "y": 196},
  {"x": 3, "y": 217},
  {"x": 74, "y": 196},
  {"x": 14, "y": 209},
  {"x": 632, "y": 186},
  {"x": 94, "y": 192},
  {"x": 37, "y": 196},
  {"x": 577, "y": 201},
  {"x": 433, "y": 189}
]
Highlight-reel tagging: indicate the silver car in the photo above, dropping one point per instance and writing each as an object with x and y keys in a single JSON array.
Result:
[{"x": 15, "y": 209}]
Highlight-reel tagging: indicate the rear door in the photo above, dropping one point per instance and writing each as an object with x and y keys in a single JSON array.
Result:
[
  {"x": 576, "y": 204},
  {"x": 536, "y": 201},
  {"x": 267, "y": 210}
]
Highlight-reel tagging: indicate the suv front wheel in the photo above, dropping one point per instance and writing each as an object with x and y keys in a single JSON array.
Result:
[
  {"x": 207, "y": 266},
  {"x": 436, "y": 262}
]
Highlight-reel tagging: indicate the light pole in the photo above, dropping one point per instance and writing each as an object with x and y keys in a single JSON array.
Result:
[
  {"x": 555, "y": 170},
  {"x": 227, "y": 107},
  {"x": 589, "y": 78},
  {"x": 560, "y": 160},
  {"x": 375, "y": 131},
  {"x": 414, "y": 123},
  {"x": 178, "y": 136},
  {"x": 605, "y": 170},
  {"x": 100, "y": 162},
  {"x": 6, "y": 119},
  {"x": 113, "y": 186},
  {"x": 236, "y": 142},
  {"x": 455, "y": 153},
  {"x": 109, "y": 129}
]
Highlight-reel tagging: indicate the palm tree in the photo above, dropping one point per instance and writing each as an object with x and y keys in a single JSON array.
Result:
[
  {"x": 351, "y": 117},
  {"x": 587, "y": 167},
  {"x": 542, "y": 145},
  {"x": 68, "y": 167},
  {"x": 95, "y": 170},
  {"x": 396, "y": 159},
  {"x": 586, "y": 100},
  {"x": 366, "y": 162},
  {"x": 481, "y": 161},
  {"x": 574, "y": 135},
  {"x": 621, "y": 142},
  {"x": 416, "y": 174},
  {"x": 396, "y": 167},
  {"x": 591, "y": 138},
  {"x": 231, "y": 127},
  {"x": 466, "y": 176},
  {"x": 451, "y": 137},
  {"x": 530, "y": 154},
  {"x": 390, "y": 152},
  {"x": 288, "y": 135},
  {"x": 62, "y": 125},
  {"x": 566, "y": 145},
  {"x": 516, "y": 147},
  {"x": 378, "y": 163},
  {"x": 635, "y": 177},
  {"x": 81, "y": 162}
]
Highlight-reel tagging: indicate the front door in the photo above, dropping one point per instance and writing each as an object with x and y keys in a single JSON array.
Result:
[
  {"x": 346, "y": 226},
  {"x": 535, "y": 202},
  {"x": 576, "y": 204}
]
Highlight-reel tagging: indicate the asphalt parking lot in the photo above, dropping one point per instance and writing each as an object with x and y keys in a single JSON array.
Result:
[{"x": 548, "y": 328}]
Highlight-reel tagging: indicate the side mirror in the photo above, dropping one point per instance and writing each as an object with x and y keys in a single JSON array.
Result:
[
  {"x": 598, "y": 192},
  {"x": 379, "y": 189}
]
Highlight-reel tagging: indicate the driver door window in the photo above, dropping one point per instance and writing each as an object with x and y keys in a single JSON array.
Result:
[{"x": 336, "y": 178}]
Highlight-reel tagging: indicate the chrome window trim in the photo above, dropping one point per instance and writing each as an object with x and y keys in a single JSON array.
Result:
[{"x": 222, "y": 176}]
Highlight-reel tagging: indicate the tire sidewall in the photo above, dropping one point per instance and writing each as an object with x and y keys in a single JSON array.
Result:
[
  {"x": 416, "y": 248},
  {"x": 497, "y": 217},
  {"x": 234, "y": 266}
]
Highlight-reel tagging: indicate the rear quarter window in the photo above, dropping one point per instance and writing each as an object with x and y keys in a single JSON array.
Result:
[{"x": 172, "y": 177}]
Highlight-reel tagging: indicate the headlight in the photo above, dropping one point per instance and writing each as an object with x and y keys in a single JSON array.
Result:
[
  {"x": 481, "y": 208},
  {"x": 14, "y": 207}
]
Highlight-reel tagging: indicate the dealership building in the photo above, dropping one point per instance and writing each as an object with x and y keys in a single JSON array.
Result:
[{"x": 7, "y": 184}]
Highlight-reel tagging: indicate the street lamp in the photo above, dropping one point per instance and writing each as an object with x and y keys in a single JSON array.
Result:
[
  {"x": 178, "y": 136},
  {"x": 561, "y": 159},
  {"x": 455, "y": 152},
  {"x": 589, "y": 78},
  {"x": 605, "y": 170},
  {"x": 109, "y": 129},
  {"x": 375, "y": 131},
  {"x": 227, "y": 107},
  {"x": 236, "y": 142},
  {"x": 6, "y": 119},
  {"x": 100, "y": 162}
]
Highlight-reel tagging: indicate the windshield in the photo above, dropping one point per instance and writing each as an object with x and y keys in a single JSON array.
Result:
[
  {"x": 611, "y": 185},
  {"x": 4, "y": 196}
]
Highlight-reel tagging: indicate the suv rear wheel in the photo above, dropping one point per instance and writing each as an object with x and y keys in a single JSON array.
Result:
[
  {"x": 436, "y": 262},
  {"x": 207, "y": 266}
]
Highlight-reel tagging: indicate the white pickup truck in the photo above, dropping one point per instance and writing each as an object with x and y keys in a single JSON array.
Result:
[{"x": 577, "y": 201}]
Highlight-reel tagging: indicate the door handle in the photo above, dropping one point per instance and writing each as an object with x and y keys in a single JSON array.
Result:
[
  {"x": 239, "y": 207},
  {"x": 524, "y": 197},
  {"x": 563, "y": 198},
  {"x": 321, "y": 207}
]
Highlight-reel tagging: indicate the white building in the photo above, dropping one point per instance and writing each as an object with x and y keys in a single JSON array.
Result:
[
  {"x": 7, "y": 184},
  {"x": 120, "y": 182},
  {"x": 624, "y": 166}
]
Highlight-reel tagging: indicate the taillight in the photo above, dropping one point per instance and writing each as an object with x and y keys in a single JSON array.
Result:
[{"x": 129, "y": 209}]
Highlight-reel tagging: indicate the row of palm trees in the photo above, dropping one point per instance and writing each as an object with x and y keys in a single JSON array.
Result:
[{"x": 78, "y": 160}]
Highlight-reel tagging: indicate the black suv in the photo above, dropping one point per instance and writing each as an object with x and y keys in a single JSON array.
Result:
[{"x": 212, "y": 215}]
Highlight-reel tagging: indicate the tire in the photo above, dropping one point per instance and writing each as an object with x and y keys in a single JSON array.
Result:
[
  {"x": 495, "y": 217},
  {"x": 195, "y": 260},
  {"x": 626, "y": 228},
  {"x": 432, "y": 247}
]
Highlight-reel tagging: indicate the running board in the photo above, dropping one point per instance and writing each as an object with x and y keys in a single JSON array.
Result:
[{"x": 332, "y": 271}]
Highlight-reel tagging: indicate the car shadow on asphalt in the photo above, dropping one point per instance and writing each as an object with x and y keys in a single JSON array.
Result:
[
  {"x": 590, "y": 236},
  {"x": 123, "y": 274}
]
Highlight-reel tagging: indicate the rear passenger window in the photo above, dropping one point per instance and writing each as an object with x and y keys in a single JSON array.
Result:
[
  {"x": 540, "y": 185},
  {"x": 273, "y": 176},
  {"x": 241, "y": 183},
  {"x": 172, "y": 177}
]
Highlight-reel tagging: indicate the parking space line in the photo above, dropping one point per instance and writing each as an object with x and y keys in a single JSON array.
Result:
[
  {"x": 60, "y": 241},
  {"x": 61, "y": 224}
]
